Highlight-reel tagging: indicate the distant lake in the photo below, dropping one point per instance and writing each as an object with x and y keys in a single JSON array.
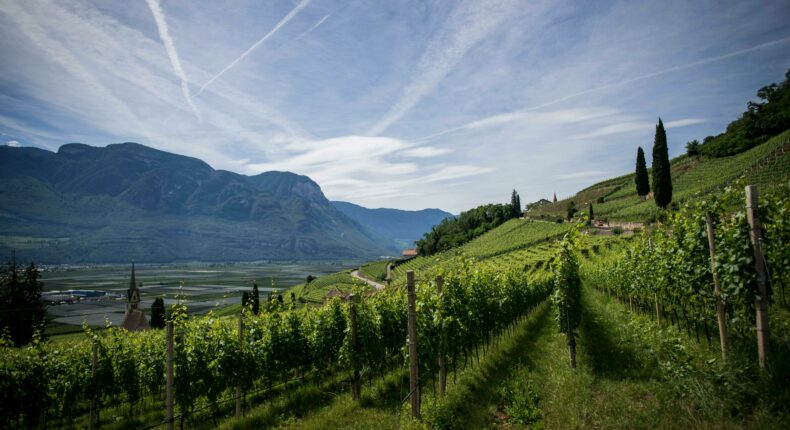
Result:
[{"x": 204, "y": 286}]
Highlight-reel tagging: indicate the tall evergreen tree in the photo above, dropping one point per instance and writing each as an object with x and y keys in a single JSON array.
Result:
[
  {"x": 515, "y": 205},
  {"x": 592, "y": 215},
  {"x": 21, "y": 309},
  {"x": 256, "y": 303},
  {"x": 642, "y": 181},
  {"x": 245, "y": 299},
  {"x": 662, "y": 180},
  {"x": 158, "y": 313}
]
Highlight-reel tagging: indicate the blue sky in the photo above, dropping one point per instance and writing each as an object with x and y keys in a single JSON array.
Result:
[{"x": 406, "y": 104}]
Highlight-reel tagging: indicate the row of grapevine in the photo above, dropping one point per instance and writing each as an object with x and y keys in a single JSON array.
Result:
[
  {"x": 567, "y": 291},
  {"x": 47, "y": 381},
  {"x": 671, "y": 269}
]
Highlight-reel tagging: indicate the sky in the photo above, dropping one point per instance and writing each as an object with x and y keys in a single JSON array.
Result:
[{"x": 404, "y": 104}]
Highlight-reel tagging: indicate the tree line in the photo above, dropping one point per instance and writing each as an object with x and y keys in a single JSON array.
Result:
[
  {"x": 454, "y": 232},
  {"x": 763, "y": 119}
]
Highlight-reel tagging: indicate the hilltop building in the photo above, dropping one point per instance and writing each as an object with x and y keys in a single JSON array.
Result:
[
  {"x": 409, "y": 253},
  {"x": 133, "y": 319},
  {"x": 537, "y": 204}
]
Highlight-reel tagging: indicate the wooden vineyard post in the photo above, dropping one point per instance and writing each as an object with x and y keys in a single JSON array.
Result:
[
  {"x": 169, "y": 376},
  {"x": 355, "y": 383},
  {"x": 442, "y": 357},
  {"x": 414, "y": 382},
  {"x": 753, "y": 217},
  {"x": 241, "y": 345},
  {"x": 717, "y": 288},
  {"x": 92, "y": 421}
]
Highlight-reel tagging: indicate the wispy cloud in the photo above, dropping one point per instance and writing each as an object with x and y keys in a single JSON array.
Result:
[
  {"x": 13, "y": 143},
  {"x": 172, "y": 54},
  {"x": 354, "y": 167},
  {"x": 255, "y": 45},
  {"x": 635, "y": 127},
  {"x": 498, "y": 88},
  {"x": 523, "y": 113},
  {"x": 425, "y": 152},
  {"x": 468, "y": 24},
  {"x": 581, "y": 175},
  {"x": 683, "y": 122}
]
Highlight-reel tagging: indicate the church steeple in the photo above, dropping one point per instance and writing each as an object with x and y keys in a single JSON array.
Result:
[
  {"x": 134, "y": 319},
  {"x": 132, "y": 294},
  {"x": 132, "y": 282}
]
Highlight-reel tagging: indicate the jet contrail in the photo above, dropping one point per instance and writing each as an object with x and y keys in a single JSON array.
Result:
[
  {"x": 625, "y": 82},
  {"x": 282, "y": 22},
  {"x": 170, "y": 47},
  {"x": 318, "y": 24}
]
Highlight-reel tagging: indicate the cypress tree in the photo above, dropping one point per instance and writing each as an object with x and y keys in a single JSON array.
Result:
[
  {"x": 245, "y": 299},
  {"x": 592, "y": 216},
  {"x": 256, "y": 304},
  {"x": 662, "y": 180},
  {"x": 158, "y": 313},
  {"x": 515, "y": 205},
  {"x": 642, "y": 182}
]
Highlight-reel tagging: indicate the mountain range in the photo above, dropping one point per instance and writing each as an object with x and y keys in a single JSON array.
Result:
[
  {"x": 401, "y": 227},
  {"x": 112, "y": 204}
]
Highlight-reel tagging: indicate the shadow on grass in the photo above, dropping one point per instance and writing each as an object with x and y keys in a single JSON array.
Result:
[
  {"x": 481, "y": 386},
  {"x": 608, "y": 354}
]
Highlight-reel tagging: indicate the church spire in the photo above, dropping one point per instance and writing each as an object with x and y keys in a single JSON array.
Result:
[{"x": 132, "y": 282}]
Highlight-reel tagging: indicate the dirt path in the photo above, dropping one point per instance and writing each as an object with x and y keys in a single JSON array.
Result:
[{"x": 364, "y": 279}]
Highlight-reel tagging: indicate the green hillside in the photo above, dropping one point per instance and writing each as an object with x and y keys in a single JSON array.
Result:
[{"x": 767, "y": 165}]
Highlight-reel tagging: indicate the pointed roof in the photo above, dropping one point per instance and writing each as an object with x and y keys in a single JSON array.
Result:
[{"x": 132, "y": 282}]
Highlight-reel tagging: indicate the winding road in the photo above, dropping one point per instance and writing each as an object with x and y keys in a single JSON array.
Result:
[{"x": 364, "y": 279}]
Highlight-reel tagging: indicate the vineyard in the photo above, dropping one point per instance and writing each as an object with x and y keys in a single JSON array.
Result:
[
  {"x": 671, "y": 271},
  {"x": 503, "y": 248},
  {"x": 318, "y": 288},
  {"x": 55, "y": 383},
  {"x": 376, "y": 270}
]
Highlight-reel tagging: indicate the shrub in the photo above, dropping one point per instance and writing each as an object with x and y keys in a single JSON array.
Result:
[{"x": 617, "y": 231}]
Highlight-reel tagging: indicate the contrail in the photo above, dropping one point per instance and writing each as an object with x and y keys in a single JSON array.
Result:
[
  {"x": 468, "y": 24},
  {"x": 277, "y": 27},
  {"x": 627, "y": 81},
  {"x": 170, "y": 47},
  {"x": 318, "y": 24}
]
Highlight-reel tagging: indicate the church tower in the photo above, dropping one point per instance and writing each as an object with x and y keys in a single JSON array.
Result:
[
  {"x": 133, "y": 319},
  {"x": 132, "y": 294}
]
